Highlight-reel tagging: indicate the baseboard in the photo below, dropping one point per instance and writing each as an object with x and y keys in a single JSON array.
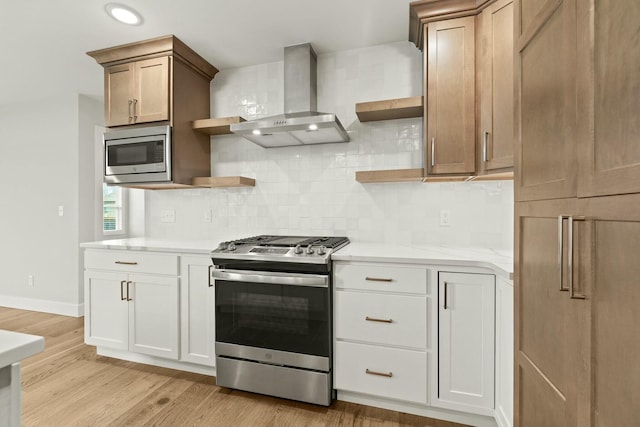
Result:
[
  {"x": 46, "y": 306},
  {"x": 156, "y": 361},
  {"x": 423, "y": 411}
]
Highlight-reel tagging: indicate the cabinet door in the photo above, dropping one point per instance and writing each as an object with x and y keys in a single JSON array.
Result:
[
  {"x": 450, "y": 95},
  {"x": 106, "y": 310},
  {"x": 118, "y": 87},
  {"x": 551, "y": 329},
  {"x": 545, "y": 103},
  {"x": 197, "y": 311},
  {"x": 496, "y": 139},
  {"x": 466, "y": 323},
  {"x": 615, "y": 313},
  {"x": 151, "y": 90},
  {"x": 504, "y": 352},
  {"x": 609, "y": 76},
  {"x": 153, "y": 315}
]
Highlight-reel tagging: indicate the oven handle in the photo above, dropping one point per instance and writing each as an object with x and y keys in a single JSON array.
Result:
[{"x": 291, "y": 279}]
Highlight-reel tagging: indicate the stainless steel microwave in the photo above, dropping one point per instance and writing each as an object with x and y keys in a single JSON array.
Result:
[{"x": 139, "y": 155}]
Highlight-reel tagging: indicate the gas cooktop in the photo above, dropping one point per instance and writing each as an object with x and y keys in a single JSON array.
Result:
[{"x": 314, "y": 249}]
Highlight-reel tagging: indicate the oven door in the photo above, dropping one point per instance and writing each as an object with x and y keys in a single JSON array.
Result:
[{"x": 278, "y": 318}]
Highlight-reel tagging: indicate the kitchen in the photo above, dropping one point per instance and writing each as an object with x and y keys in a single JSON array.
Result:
[{"x": 309, "y": 191}]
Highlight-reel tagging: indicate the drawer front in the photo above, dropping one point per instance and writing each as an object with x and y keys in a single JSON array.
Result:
[
  {"x": 380, "y": 277},
  {"x": 381, "y": 318},
  {"x": 131, "y": 261},
  {"x": 379, "y": 371}
]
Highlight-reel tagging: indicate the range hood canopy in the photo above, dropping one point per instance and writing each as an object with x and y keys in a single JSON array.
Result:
[{"x": 301, "y": 124}]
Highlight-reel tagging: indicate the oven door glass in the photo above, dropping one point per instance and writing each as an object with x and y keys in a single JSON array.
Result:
[{"x": 275, "y": 316}]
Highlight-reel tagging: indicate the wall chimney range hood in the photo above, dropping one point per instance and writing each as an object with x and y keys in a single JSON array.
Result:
[{"x": 301, "y": 124}]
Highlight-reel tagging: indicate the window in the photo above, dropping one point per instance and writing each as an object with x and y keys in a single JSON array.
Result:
[{"x": 113, "y": 209}]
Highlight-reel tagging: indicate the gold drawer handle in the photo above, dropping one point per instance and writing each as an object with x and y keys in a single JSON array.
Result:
[
  {"x": 380, "y": 374},
  {"x": 127, "y": 262},
  {"x": 373, "y": 319},
  {"x": 377, "y": 279}
]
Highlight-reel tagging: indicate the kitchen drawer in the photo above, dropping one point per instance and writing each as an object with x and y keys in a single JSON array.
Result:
[
  {"x": 407, "y": 316},
  {"x": 405, "y": 371},
  {"x": 131, "y": 261},
  {"x": 381, "y": 277}
]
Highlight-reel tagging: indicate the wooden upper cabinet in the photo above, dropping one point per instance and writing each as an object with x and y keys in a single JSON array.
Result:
[
  {"x": 495, "y": 87},
  {"x": 546, "y": 107},
  {"x": 450, "y": 94},
  {"x": 137, "y": 92},
  {"x": 609, "y": 96}
]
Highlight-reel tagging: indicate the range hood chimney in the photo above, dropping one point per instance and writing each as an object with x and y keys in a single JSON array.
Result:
[{"x": 301, "y": 124}]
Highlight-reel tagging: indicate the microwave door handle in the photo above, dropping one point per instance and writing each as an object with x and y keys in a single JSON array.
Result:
[{"x": 270, "y": 278}]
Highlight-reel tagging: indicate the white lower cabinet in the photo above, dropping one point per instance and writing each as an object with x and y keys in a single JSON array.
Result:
[
  {"x": 129, "y": 309},
  {"x": 381, "y": 371},
  {"x": 197, "y": 311},
  {"x": 466, "y": 322},
  {"x": 504, "y": 352},
  {"x": 381, "y": 313}
]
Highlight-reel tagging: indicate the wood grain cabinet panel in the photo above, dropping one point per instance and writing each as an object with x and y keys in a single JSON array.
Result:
[
  {"x": 546, "y": 163},
  {"x": 450, "y": 94},
  {"x": 495, "y": 87},
  {"x": 137, "y": 92},
  {"x": 609, "y": 76}
]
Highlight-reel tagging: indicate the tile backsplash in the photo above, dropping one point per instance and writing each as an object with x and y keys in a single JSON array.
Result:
[{"x": 312, "y": 189}]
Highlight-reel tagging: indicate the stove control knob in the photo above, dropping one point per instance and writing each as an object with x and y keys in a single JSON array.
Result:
[
  {"x": 309, "y": 250},
  {"x": 297, "y": 250},
  {"x": 231, "y": 247},
  {"x": 322, "y": 250}
]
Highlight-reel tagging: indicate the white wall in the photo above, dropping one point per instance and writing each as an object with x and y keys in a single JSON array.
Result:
[
  {"x": 45, "y": 162},
  {"x": 312, "y": 189}
]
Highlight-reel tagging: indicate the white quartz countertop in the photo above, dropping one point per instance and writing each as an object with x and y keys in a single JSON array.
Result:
[
  {"x": 203, "y": 247},
  {"x": 15, "y": 346},
  {"x": 501, "y": 261}
]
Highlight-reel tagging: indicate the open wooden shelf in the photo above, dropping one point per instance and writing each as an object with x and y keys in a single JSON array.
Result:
[
  {"x": 223, "y": 181},
  {"x": 391, "y": 175},
  {"x": 503, "y": 176},
  {"x": 390, "y": 109},
  {"x": 219, "y": 126}
]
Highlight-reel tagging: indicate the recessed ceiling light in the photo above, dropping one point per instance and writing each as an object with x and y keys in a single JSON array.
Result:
[
  {"x": 256, "y": 132},
  {"x": 313, "y": 126},
  {"x": 123, "y": 13}
]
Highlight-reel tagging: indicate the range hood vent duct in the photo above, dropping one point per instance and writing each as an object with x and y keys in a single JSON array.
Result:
[{"x": 301, "y": 124}]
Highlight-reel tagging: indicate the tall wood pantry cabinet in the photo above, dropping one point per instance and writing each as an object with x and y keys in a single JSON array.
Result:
[{"x": 577, "y": 225}]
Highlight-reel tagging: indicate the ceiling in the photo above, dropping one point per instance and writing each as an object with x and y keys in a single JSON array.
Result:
[{"x": 44, "y": 41}]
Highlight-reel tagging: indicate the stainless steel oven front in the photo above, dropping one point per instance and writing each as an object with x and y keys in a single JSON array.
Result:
[
  {"x": 274, "y": 333},
  {"x": 137, "y": 155}
]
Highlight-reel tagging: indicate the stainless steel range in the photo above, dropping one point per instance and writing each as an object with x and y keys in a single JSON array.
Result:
[{"x": 274, "y": 315}]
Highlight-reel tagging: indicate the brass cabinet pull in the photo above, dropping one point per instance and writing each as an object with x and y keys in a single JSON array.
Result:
[
  {"x": 373, "y": 319},
  {"x": 377, "y": 279},
  {"x": 127, "y": 262},
  {"x": 122, "y": 290},
  {"x": 210, "y": 278},
  {"x": 130, "y": 115},
  {"x": 128, "y": 298},
  {"x": 572, "y": 293},
  {"x": 485, "y": 136},
  {"x": 445, "y": 295},
  {"x": 380, "y": 374}
]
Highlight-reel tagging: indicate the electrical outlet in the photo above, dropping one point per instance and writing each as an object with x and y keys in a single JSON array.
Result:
[
  {"x": 30, "y": 280},
  {"x": 168, "y": 216},
  {"x": 207, "y": 215},
  {"x": 445, "y": 218},
  {"x": 60, "y": 210}
]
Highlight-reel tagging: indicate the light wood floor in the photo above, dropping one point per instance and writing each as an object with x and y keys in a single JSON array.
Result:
[{"x": 69, "y": 385}]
